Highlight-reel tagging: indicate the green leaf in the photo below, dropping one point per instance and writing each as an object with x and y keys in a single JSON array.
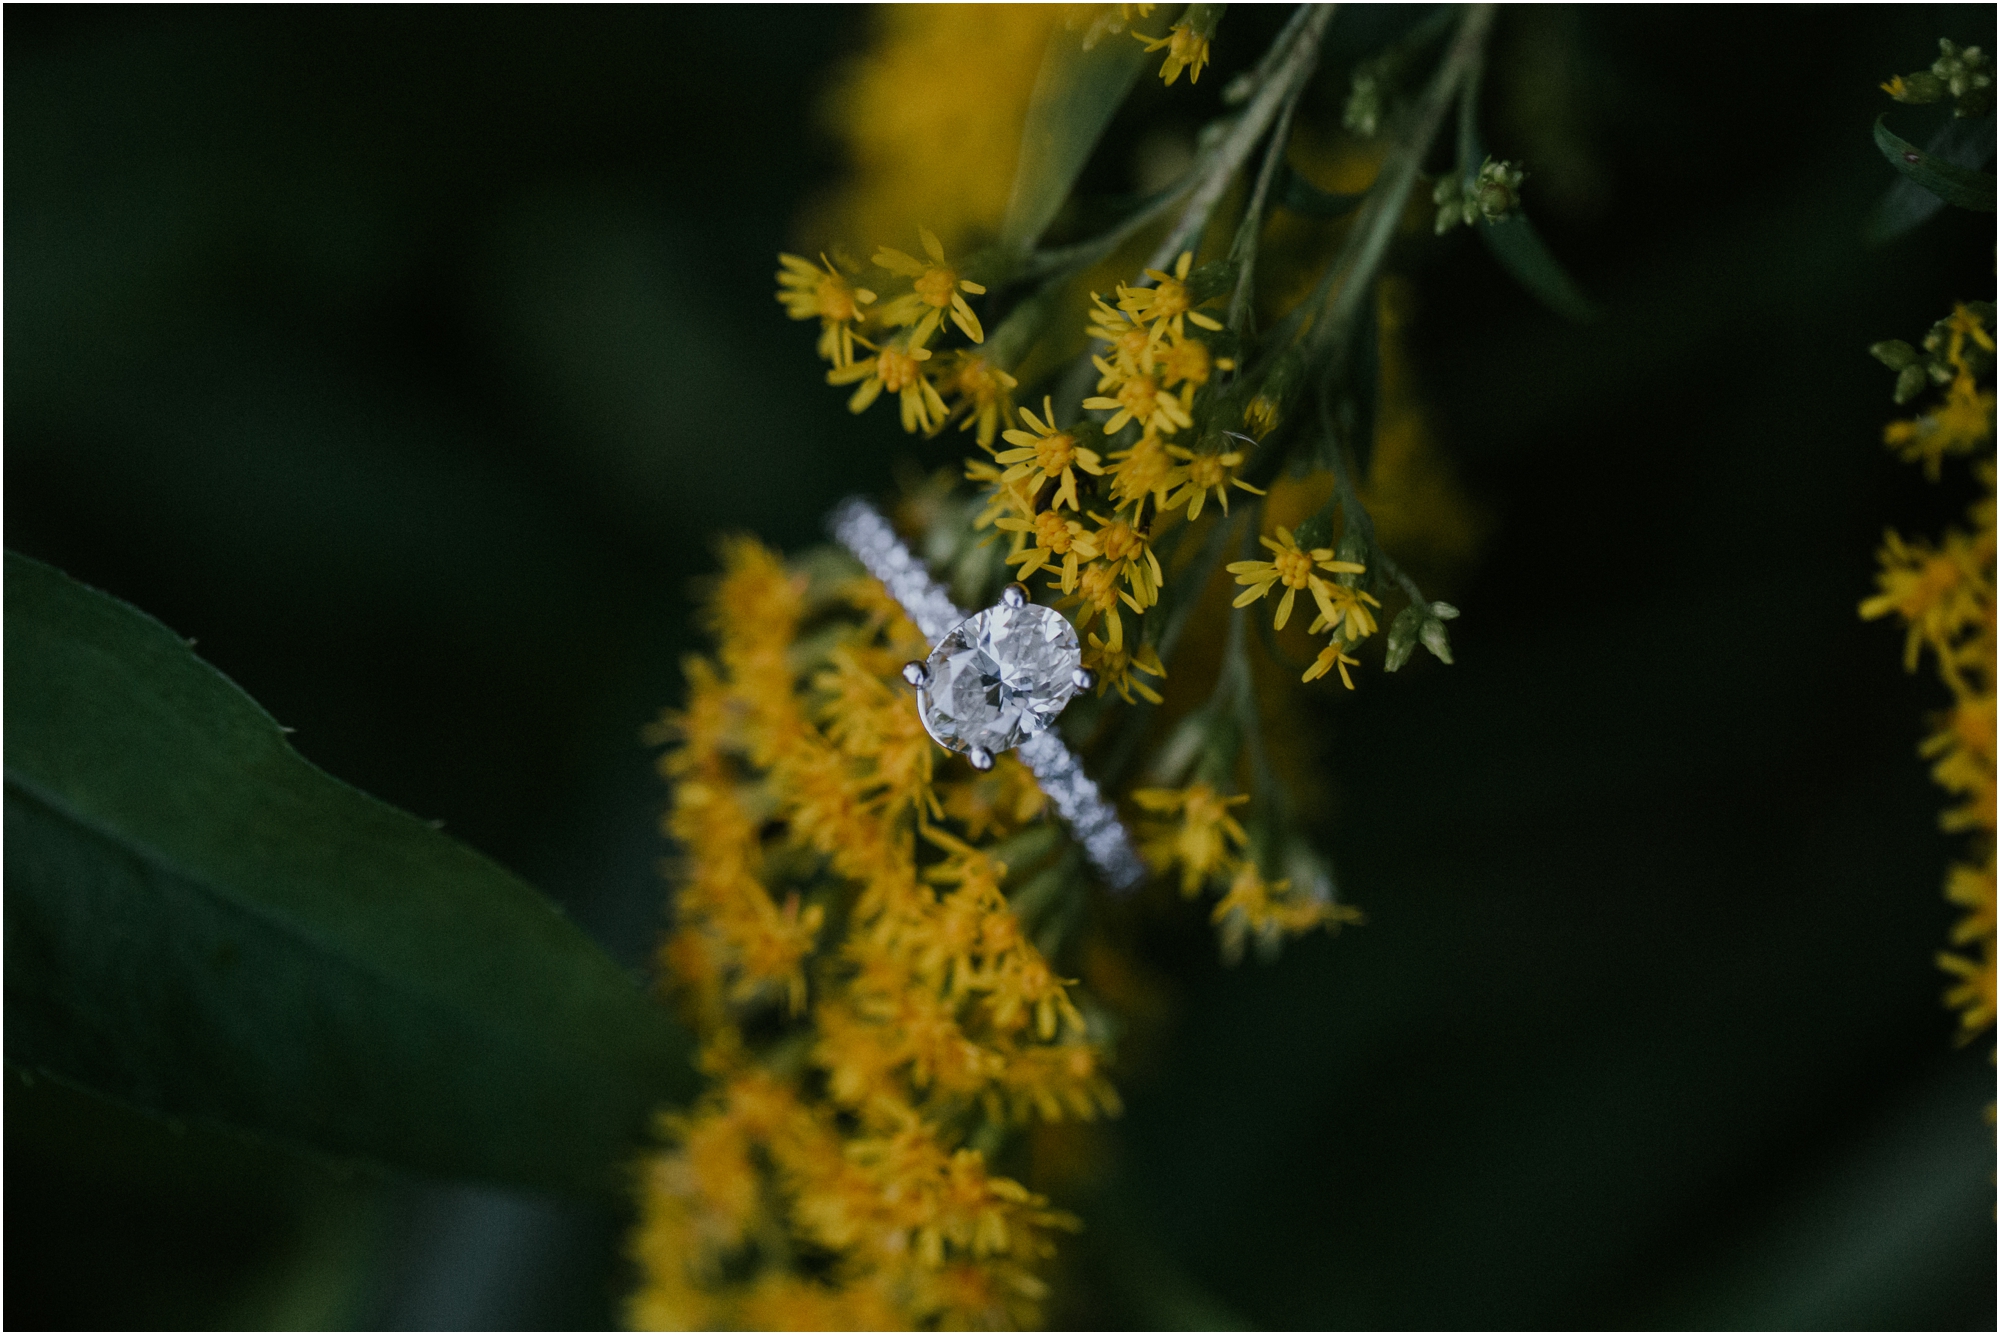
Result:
[
  {"x": 1299, "y": 195},
  {"x": 200, "y": 922},
  {"x": 1075, "y": 96},
  {"x": 1521, "y": 253},
  {"x": 1947, "y": 180},
  {"x": 1403, "y": 636},
  {"x": 1962, "y": 142}
]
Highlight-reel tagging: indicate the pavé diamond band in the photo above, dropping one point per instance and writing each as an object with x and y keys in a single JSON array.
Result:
[{"x": 995, "y": 680}]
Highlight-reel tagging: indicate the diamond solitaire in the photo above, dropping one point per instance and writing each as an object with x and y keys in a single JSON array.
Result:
[{"x": 999, "y": 677}]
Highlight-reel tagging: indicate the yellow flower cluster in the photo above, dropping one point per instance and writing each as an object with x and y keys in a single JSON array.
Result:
[
  {"x": 897, "y": 333},
  {"x": 1944, "y": 595},
  {"x": 1148, "y": 375},
  {"x": 1343, "y": 609},
  {"x": 1964, "y": 421},
  {"x": 928, "y": 116},
  {"x": 1192, "y": 831},
  {"x": 834, "y": 1177},
  {"x": 1186, "y": 50}
]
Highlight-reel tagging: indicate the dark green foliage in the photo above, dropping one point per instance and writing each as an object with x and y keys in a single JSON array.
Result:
[
  {"x": 1947, "y": 180},
  {"x": 203, "y": 924}
]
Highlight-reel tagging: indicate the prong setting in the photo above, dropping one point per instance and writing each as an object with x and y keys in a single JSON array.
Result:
[
  {"x": 1083, "y": 678},
  {"x": 917, "y": 673},
  {"x": 980, "y": 758},
  {"x": 1014, "y": 595}
]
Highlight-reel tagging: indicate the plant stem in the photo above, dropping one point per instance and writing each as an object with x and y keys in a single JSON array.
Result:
[
  {"x": 1276, "y": 89},
  {"x": 1279, "y": 77},
  {"x": 1373, "y": 231},
  {"x": 1244, "y": 251}
]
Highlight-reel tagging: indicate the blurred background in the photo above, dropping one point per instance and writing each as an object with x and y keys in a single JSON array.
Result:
[{"x": 410, "y": 360}]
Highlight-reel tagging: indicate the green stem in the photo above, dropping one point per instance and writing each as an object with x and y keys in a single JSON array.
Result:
[
  {"x": 1377, "y": 225},
  {"x": 1285, "y": 70},
  {"x": 1189, "y": 584},
  {"x": 1277, "y": 87},
  {"x": 1244, "y": 250}
]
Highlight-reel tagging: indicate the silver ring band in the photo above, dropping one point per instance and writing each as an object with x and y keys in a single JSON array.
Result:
[{"x": 861, "y": 529}]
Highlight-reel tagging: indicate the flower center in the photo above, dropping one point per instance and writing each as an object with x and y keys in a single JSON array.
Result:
[
  {"x": 1052, "y": 532},
  {"x": 836, "y": 299},
  {"x": 1055, "y": 453},
  {"x": 1099, "y": 587},
  {"x": 1293, "y": 568},
  {"x": 935, "y": 285},
  {"x": 1119, "y": 540},
  {"x": 1169, "y": 299},
  {"x": 897, "y": 369},
  {"x": 1139, "y": 397},
  {"x": 1207, "y": 471}
]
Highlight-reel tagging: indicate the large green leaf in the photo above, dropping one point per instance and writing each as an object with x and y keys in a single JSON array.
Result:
[
  {"x": 1075, "y": 95},
  {"x": 200, "y": 922},
  {"x": 1950, "y": 182}
]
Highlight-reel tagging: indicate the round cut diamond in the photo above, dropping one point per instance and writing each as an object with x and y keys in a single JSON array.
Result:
[{"x": 999, "y": 677}]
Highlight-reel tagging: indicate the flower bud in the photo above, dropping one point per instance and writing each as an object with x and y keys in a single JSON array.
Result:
[
  {"x": 1917, "y": 89},
  {"x": 1363, "y": 114},
  {"x": 1893, "y": 353}
]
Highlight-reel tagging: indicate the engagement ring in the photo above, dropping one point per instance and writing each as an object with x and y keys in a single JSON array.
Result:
[{"x": 995, "y": 681}]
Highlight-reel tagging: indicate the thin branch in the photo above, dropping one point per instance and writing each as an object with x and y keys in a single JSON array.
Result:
[
  {"x": 1244, "y": 251},
  {"x": 1290, "y": 72},
  {"x": 1386, "y": 198}
]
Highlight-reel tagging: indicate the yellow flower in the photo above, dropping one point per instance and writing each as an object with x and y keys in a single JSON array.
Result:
[
  {"x": 1350, "y": 614},
  {"x": 1053, "y": 536},
  {"x": 1169, "y": 303},
  {"x": 982, "y": 395},
  {"x": 1147, "y": 469},
  {"x": 1294, "y": 568},
  {"x": 1186, "y": 50},
  {"x": 1132, "y": 343},
  {"x": 808, "y": 292},
  {"x": 1205, "y": 473},
  {"x": 1003, "y": 498},
  {"x": 1936, "y": 592},
  {"x": 937, "y": 289},
  {"x": 1963, "y": 747},
  {"x": 928, "y": 116},
  {"x": 1114, "y": 668},
  {"x": 1097, "y": 591},
  {"x": 1128, "y": 551},
  {"x": 1188, "y": 361},
  {"x": 1270, "y": 910},
  {"x": 1329, "y": 658},
  {"x": 1049, "y": 453},
  {"x": 1261, "y": 416},
  {"x": 1140, "y": 399},
  {"x": 1201, "y": 841},
  {"x": 1962, "y": 423},
  {"x": 1972, "y": 996},
  {"x": 897, "y": 368},
  {"x": 1971, "y": 888}
]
